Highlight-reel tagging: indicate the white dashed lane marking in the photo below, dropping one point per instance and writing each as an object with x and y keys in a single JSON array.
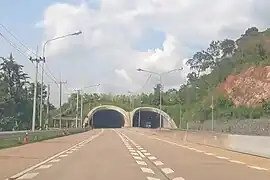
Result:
[
  {"x": 147, "y": 170},
  {"x": 141, "y": 163},
  {"x": 258, "y": 168},
  {"x": 158, "y": 163},
  {"x": 28, "y": 176},
  {"x": 137, "y": 157},
  {"x": 152, "y": 158},
  {"x": 178, "y": 178},
  {"x": 206, "y": 153},
  {"x": 30, "y": 172},
  {"x": 152, "y": 178},
  {"x": 141, "y": 154},
  {"x": 221, "y": 157},
  {"x": 147, "y": 154},
  {"x": 144, "y": 154},
  {"x": 55, "y": 160},
  {"x": 237, "y": 162},
  {"x": 209, "y": 154},
  {"x": 45, "y": 166},
  {"x": 167, "y": 170},
  {"x": 63, "y": 155}
]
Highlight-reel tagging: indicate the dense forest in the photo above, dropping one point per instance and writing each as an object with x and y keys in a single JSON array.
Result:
[
  {"x": 16, "y": 93},
  {"x": 209, "y": 68}
]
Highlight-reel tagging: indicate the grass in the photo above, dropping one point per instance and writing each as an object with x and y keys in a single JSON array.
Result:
[{"x": 18, "y": 140}]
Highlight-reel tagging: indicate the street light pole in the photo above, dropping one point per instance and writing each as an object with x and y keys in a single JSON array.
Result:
[
  {"x": 160, "y": 93},
  {"x": 43, "y": 67}
]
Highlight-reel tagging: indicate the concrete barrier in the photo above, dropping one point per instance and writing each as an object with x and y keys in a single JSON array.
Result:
[{"x": 254, "y": 145}]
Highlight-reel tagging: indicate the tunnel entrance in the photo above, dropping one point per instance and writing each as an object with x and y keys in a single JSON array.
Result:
[
  {"x": 147, "y": 119},
  {"x": 107, "y": 118}
]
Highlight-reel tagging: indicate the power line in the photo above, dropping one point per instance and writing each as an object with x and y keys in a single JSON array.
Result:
[
  {"x": 9, "y": 31},
  {"x": 23, "y": 54}
]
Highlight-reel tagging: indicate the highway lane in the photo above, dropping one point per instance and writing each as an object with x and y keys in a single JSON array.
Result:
[
  {"x": 195, "y": 163},
  {"x": 16, "y": 159},
  {"x": 126, "y": 154},
  {"x": 107, "y": 156}
]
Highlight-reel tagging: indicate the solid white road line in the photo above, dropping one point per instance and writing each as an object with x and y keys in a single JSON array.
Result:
[{"x": 20, "y": 174}]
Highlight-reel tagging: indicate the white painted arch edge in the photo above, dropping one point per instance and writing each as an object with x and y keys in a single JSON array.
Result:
[
  {"x": 116, "y": 108},
  {"x": 164, "y": 114}
]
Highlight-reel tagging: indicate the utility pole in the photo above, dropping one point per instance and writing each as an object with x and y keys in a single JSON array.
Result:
[
  {"x": 160, "y": 102},
  {"x": 81, "y": 110},
  {"x": 60, "y": 101},
  {"x": 77, "y": 108},
  {"x": 48, "y": 106},
  {"x": 212, "y": 107},
  {"x": 37, "y": 60}
]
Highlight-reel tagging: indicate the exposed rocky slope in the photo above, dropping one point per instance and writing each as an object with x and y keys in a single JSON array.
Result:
[{"x": 249, "y": 88}]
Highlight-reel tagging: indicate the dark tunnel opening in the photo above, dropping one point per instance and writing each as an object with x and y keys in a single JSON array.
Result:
[
  {"x": 107, "y": 118},
  {"x": 147, "y": 119}
]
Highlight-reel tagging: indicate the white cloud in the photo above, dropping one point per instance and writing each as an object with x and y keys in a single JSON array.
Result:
[{"x": 104, "y": 53}]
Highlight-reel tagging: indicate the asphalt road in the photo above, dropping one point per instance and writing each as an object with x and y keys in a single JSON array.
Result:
[{"x": 128, "y": 154}]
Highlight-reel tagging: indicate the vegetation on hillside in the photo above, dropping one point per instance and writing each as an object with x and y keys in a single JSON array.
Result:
[
  {"x": 192, "y": 101},
  {"x": 16, "y": 96},
  {"x": 209, "y": 68}
]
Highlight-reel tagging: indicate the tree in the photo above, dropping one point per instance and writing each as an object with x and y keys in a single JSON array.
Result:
[
  {"x": 251, "y": 31},
  {"x": 16, "y": 96},
  {"x": 228, "y": 47}
]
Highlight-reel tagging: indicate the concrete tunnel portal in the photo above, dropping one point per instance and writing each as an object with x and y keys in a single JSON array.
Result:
[
  {"x": 106, "y": 116},
  {"x": 109, "y": 116},
  {"x": 147, "y": 119}
]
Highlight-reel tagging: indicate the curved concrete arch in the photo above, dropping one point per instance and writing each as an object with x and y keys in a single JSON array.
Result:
[
  {"x": 109, "y": 107},
  {"x": 168, "y": 123}
]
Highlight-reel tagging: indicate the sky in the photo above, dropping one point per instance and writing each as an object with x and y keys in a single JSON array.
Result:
[{"x": 120, "y": 36}]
